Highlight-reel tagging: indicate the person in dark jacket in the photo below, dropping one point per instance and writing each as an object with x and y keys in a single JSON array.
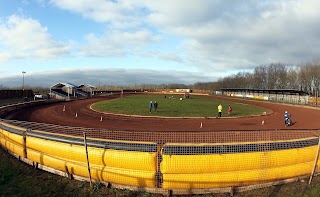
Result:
[
  {"x": 155, "y": 105},
  {"x": 150, "y": 107}
]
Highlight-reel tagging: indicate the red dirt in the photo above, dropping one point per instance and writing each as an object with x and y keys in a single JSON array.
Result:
[{"x": 303, "y": 118}]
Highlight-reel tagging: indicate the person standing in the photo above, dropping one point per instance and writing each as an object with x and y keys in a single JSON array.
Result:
[
  {"x": 229, "y": 110},
  {"x": 219, "y": 110},
  {"x": 155, "y": 105},
  {"x": 150, "y": 106}
]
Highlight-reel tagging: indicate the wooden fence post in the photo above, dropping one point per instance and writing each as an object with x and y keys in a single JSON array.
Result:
[
  {"x": 87, "y": 157},
  {"x": 24, "y": 134},
  {"x": 315, "y": 163},
  {"x": 159, "y": 159}
]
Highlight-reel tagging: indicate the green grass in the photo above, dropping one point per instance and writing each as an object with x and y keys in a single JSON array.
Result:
[
  {"x": 20, "y": 179},
  {"x": 172, "y": 106}
]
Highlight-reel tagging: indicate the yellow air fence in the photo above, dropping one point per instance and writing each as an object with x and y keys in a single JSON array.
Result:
[{"x": 208, "y": 168}]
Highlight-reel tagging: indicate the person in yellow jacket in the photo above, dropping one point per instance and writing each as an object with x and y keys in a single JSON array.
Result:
[{"x": 219, "y": 110}]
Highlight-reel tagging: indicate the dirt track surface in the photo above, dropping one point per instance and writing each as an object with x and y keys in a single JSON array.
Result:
[{"x": 180, "y": 129}]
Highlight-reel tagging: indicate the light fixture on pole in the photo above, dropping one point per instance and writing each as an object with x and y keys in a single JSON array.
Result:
[{"x": 23, "y": 72}]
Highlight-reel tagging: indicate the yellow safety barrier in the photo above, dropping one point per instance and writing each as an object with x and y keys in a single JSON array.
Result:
[
  {"x": 108, "y": 174},
  {"x": 116, "y": 175},
  {"x": 12, "y": 142},
  {"x": 12, "y": 137},
  {"x": 46, "y": 160},
  {"x": 15, "y": 148},
  {"x": 234, "y": 178},
  {"x": 97, "y": 156},
  {"x": 130, "y": 159},
  {"x": 57, "y": 149},
  {"x": 211, "y": 163}
]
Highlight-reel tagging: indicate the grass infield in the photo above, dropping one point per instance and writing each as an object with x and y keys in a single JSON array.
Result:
[{"x": 172, "y": 106}]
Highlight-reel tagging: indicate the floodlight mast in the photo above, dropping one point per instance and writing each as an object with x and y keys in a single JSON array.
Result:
[{"x": 23, "y": 72}]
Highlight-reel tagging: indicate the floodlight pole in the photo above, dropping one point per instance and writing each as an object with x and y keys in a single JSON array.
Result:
[{"x": 23, "y": 72}]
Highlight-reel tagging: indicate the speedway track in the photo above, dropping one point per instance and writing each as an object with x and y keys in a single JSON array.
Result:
[{"x": 243, "y": 129}]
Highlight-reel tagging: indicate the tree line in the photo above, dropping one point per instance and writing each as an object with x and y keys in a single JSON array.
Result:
[{"x": 305, "y": 77}]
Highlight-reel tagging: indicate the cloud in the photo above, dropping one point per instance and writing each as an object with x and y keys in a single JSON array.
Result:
[
  {"x": 106, "y": 77},
  {"x": 116, "y": 43},
  {"x": 120, "y": 14},
  {"x": 215, "y": 37},
  {"x": 214, "y": 34},
  {"x": 25, "y": 38},
  {"x": 238, "y": 35},
  {"x": 161, "y": 55}
]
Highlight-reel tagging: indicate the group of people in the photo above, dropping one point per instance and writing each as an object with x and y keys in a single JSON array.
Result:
[
  {"x": 153, "y": 105},
  {"x": 287, "y": 116},
  {"x": 220, "y": 110}
]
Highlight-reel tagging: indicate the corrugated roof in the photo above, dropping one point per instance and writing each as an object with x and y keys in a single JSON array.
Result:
[
  {"x": 60, "y": 84},
  {"x": 86, "y": 85}
]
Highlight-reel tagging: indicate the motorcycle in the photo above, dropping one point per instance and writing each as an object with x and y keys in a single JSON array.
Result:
[{"x": 288, "y": 121}]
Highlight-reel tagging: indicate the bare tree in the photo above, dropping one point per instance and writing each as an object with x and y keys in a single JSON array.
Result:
[
  {"x": 292, "y": 78},
  {"x": 305, "y": 78},
  {"x": 241, "y": 80},
  {"x": 272, "y": 76},
  {"x": 260, "y": 77},
  {"x": 313, "y": 73},
  {"x": 281, "y": 75}
]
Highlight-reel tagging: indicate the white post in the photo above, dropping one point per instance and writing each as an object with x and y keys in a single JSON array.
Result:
[{"x": 315, "y": 163}]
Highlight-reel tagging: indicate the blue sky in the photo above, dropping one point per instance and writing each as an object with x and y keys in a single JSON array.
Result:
[{"x": 151, "y": 42}]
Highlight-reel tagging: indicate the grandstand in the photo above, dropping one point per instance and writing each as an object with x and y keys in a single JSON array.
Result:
[
  {"x": 68, "y": 91},
  {"x": 279, "y": 95},
  {"x": 85, "y": 90}
]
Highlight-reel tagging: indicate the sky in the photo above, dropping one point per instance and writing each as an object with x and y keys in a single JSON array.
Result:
[{"x": 125, "y": 42}]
